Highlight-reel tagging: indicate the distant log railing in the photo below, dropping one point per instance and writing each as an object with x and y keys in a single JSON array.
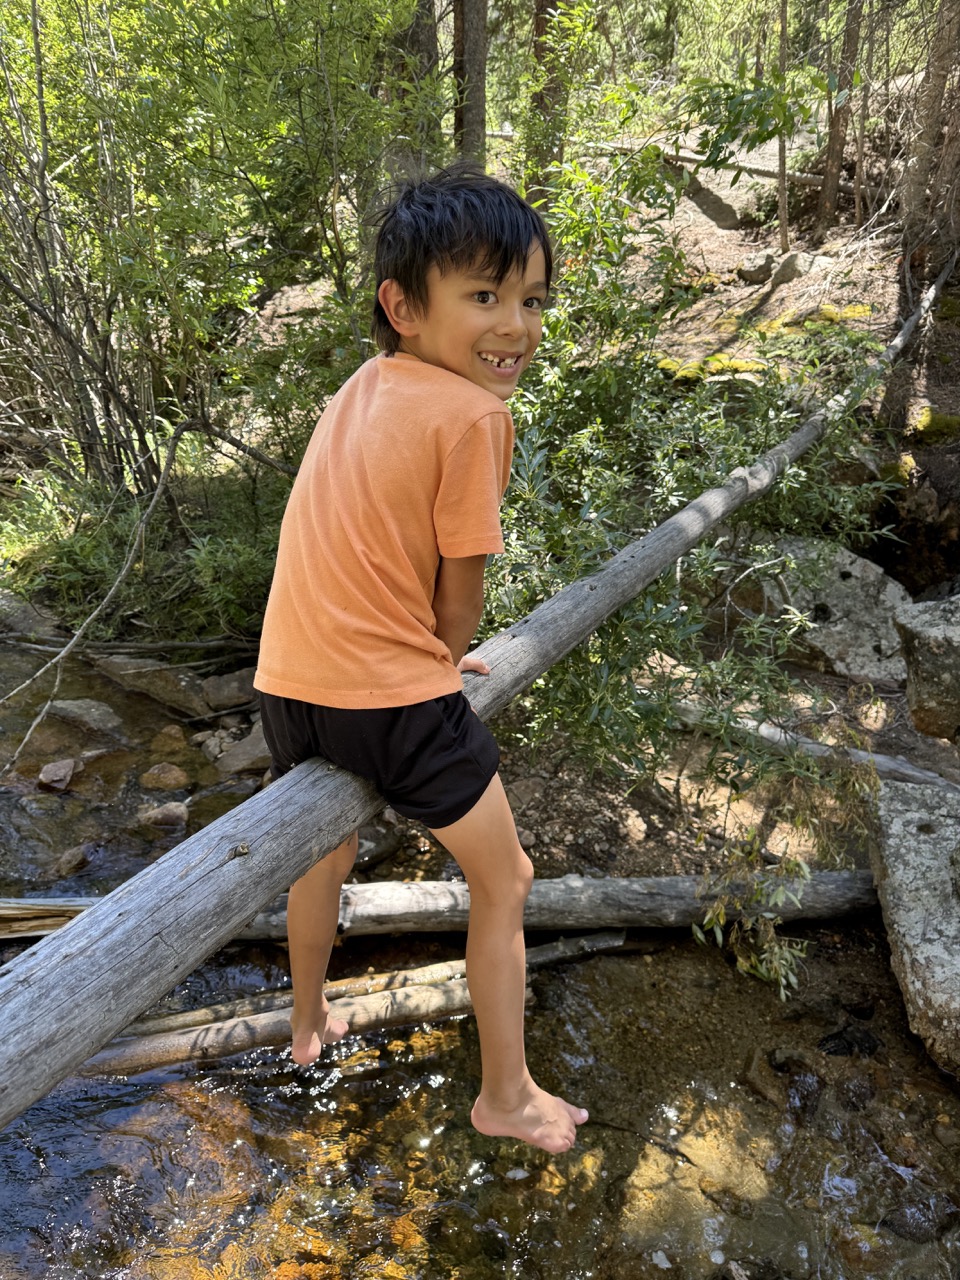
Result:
[{"x": 78, "y": 988}]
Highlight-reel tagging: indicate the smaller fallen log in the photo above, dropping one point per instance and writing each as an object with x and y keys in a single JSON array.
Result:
[
  {"x": 380, "y": 1009},
  {"x": 537, "y": 957}
]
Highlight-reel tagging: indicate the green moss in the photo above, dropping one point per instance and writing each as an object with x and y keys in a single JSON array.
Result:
[
  {"x": 933, "y": 427},
  {"x": 839, "y": 315},
  {"x": 949, "y": 307}
]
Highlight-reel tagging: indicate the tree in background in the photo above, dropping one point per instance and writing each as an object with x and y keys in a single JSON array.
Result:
[
  {"x": 470, "y": 78},
  {"x": 928, "y": 190},
  {"x": 847, "y": 80}
]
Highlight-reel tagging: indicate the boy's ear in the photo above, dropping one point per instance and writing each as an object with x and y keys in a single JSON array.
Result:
[{"x": 402, "y": 316}]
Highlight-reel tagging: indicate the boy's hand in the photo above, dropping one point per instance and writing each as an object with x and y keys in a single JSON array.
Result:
[{"x": 469, "y": 663}]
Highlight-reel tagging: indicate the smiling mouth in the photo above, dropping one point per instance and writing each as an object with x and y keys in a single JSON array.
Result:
[{"x": 500, "y": 362}]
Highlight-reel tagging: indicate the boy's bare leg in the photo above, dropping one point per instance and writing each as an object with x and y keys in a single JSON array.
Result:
[
  {"x": 313, "y": 911},
  {"x": 499, "y": 875}
]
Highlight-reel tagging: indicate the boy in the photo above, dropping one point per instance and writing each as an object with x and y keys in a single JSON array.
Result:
[{"x": 379, "y": 589}]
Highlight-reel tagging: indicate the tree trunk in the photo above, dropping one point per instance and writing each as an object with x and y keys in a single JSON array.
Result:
[
  {"x": 840, "y": 119},
  {"x": 545, "y": 128},
  {"x": 783, "y": 214},
  {"x": 470, "y": 78},
  {"x": 916, "y": 206}
]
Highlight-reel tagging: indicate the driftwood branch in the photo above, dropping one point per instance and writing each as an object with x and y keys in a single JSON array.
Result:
[
  {"x": 96, "y": 975},
  {"x": 778, "y": 739},
  {"x": 408, "y": 1005},
  {"x": 570, "y": 902},
  {"x": 384, "y": 1000}
]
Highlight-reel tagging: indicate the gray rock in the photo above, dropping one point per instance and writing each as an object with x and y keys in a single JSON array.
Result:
[
  {"x": 164, "y": 777},
  {"x": 177, "y": 687},
  {"x": 233, "y": 690},
  {"x": 758, "y": 268},
  {"x": 23, "y": 618},
  {"x": 246, "y": 756},
  {"x": 795, "y": 265},
  {"x": 921, "y": 910},
  {"x": 165, "y": 817},
  {"x": 930, "y": 633},
  {"x": 851, "y": 612},
  {"x": 89, "y": 714},
  {"x": 57, "y": 775}
]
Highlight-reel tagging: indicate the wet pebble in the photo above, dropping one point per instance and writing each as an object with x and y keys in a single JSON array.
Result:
[
  {"x": 849, "y": 1040},
  {"x": 164, "y": 777},
  {"x": 922, "y": 1221},
  {"x": 57, "y": 775}
]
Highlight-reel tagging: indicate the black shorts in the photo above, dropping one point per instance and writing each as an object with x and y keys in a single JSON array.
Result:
[{"x": 432, "y": 760}]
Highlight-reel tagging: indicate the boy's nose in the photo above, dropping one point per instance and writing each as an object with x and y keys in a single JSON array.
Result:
[{"x": 512, "y": 321}]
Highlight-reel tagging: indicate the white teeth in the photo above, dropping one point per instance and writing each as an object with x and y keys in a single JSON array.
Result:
[{"x": 505, "y": 362}]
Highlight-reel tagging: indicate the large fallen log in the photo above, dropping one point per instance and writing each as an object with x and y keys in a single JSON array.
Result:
[
  {"x": 93, "y": 977},
  {"x": 569, "y": 902}
]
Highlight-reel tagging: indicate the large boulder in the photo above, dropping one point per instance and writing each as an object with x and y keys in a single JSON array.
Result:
[
  {"x": 850, "y": 607},
  {"x": 795, "y": 265},
  {"x": 916, "y": 865},
  {"x": 930, "y": 632},
  {"x": 176, "y": 687}
]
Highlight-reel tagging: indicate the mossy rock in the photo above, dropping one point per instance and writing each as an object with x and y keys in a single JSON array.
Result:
[
  {"x": 840, "y": 315},
  {"x": 948, "y": 308},
  {"x": 712, "y": 366},
  {"x": 899, "y": 469},
  {"x": 930, "y": 426}
]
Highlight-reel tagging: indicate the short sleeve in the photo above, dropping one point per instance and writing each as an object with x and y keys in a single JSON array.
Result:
[{"x": 475, "y": 474}]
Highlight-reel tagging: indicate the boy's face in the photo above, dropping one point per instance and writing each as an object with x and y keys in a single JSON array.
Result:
[{"x": 484, "y": 331}]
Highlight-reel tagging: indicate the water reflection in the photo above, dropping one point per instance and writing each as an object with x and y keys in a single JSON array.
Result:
[{"x": 368, "y": 1167}]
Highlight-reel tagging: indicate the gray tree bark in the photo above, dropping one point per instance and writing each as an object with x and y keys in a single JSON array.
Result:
[
  {"x": 470, "y": 78},
  {"x": 840, "y": 119}
]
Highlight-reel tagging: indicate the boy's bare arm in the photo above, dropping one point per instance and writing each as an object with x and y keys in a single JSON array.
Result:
[{"x": 458, "y": 601}]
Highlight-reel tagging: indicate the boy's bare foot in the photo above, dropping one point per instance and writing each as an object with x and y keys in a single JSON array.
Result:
[
  {"x": 308, "y": 1045},
  {"x": 541, "y": 1119}
]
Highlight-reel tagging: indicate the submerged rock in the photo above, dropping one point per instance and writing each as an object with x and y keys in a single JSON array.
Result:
[
  {"x": 164, "y": 777},
  {"x": 922, "y": 1221},
  {"x": 89, "y": 714},
  {"x": 177, "y": 687}
]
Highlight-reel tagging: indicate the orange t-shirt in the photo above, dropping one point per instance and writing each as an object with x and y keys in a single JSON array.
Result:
[{"x": 408, "y": 463}]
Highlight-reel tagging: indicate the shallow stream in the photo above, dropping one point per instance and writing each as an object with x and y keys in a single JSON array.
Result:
[{"x": 731, "y": 1135}]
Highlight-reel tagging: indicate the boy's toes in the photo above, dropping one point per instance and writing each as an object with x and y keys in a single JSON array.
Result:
[{"x": 335, "y": 1030}]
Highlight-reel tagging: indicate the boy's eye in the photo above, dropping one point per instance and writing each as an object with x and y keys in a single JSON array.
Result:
[
  {"x": 485, "y": 295},
  {"x": 535, "y": 304}
]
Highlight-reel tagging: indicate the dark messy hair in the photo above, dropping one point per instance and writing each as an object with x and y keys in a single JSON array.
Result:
[{"x": 456, "y": 219}]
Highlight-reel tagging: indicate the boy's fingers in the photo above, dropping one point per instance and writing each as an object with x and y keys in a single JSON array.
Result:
[{"x": 473, "y": 664}]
